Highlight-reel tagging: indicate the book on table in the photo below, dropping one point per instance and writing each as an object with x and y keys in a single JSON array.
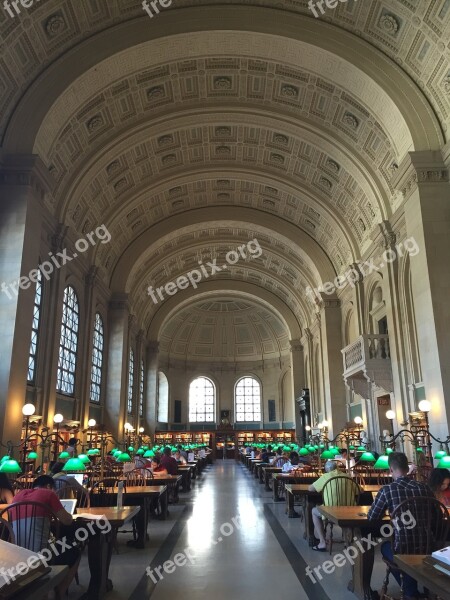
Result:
[{"x": 19, "y": 567}]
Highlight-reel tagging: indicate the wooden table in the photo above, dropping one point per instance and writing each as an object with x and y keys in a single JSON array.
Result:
[
  {"x": 186, "y": 472},
  {"x": 138, "y": 495},
  {"x": 297, "y": 477},
  {"x": 268, "y": 472},
  {"x": 100, "y": 548},
  {"x": 40, "y": 588},
  {"x": 172, "y": 482},
  {"x": 426, "y": 575},
  {"x": 354, "y": 523}
]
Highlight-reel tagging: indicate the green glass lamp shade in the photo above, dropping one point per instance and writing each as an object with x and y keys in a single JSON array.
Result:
[
  {"x": 335, "y": 451},
  {"x": 140, "y": 451},
  {"x": 419, "y": 449},
  {"x": 444, "y": 463},
  {"x": 4, "y": 459},
  {"x": 389, "y": 451},
  {"x": 327, "y": 455},
  {"x": 149, "y": 454},
  {"x": 10, "y": 466},
  {"x": 32, "y": 455},
  {"x": 117, "y": 453},
  {"x": 93, "y": 452},
  {"x": 351, "y": 447},
  {"x": 84, "y": 458},
  {"x": 382, "y": 463},
  {"x": 286, "y": 449},
  {"x": 316, "y": 447},
  {"x": 367, "y": 457},
  {"x": 130, "y": 449},
  {"x": 311, "y": 449},
  {"x": 124, "y": 457},
  {"x": 361, "y": 448},
  {"x": 440, "y": 454},
  {"x": 74, "y": 464},
  {"x": 303, "y": 451},
  {"x": 64, "y": 454},
  {"x": 144, "y": 448},
  {"x": 321, "y": 446}
]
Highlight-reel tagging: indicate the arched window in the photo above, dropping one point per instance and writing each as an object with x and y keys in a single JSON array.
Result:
[
  {"x": 248, "y": 399},
  {"x": 67, "y": 361},
  {"x": 97, "y": 359},
  {"x": 130, "y": 383},
  {"x": 35, "y": 329},
  {"x": 163, "y": 398},
  {"x": 141, "y": 391},
  {"x": 202, "y": 397}
]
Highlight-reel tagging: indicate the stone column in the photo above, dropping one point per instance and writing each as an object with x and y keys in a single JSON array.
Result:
[
  {"x": 86, "y": 358},
  {"x": 117, "y": 379},
  {"x": 360, "y": 299},
  {"x": 137, "y": 381},
  {"x": 150, "y": 414},
  {"x": 298, "y": 383},
  {"x": 331, "y": 342},
  {"x": 423, "y": 178},
  {"x": 24, "y": 182}
]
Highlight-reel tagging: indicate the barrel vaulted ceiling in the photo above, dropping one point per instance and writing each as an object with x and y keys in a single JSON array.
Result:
[{"x": 217, "y": 122}]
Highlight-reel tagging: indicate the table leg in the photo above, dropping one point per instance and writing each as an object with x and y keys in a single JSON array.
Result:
[
  {"x": 307, "y": 507},
  {"x": 275, "y": 489},
  {"x": 362, "y": 567},
  {"x": 164, "y": 502},
  {"x": 99, "y": 557},
  {"x": 266, "y": 482},
  {"x": 290, "y": 504}
]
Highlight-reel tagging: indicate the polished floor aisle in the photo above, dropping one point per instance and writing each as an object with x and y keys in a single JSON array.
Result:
[{"x": 228, "y": 545}]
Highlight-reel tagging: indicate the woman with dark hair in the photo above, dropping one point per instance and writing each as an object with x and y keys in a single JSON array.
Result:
[
  {"x": 6, "y": 491},
  {"x": 439, "y": 482}
]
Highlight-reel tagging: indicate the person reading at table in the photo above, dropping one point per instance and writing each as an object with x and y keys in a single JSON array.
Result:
[
  {"x": 329, "y": 499},
  {"x": 35, "y": 519},
  {"x": 6, "y": 491},
  {"x": 267, "y": 454},
  {"x": 439, "y": 482},
  {"x": 388, "y": 498},
  {"x": 292, "y": 463},
  {"x": 180, "y": 458},
  {"x": 168, "y": 462},
  {"x": 157, "y": 468}
]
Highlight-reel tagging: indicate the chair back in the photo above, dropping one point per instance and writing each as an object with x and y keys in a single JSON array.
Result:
[
  {"x": 138, "y": 477},
  {"x": 383, "y": 477},
  {"x": 6, "y": 531},
  {"x": 281, "y": 461},
  {"x": 68, "y": 492},
  {"x": 32, "y": 523},
  {"x": 104, "y": 492},
  {"x": 341, "y": 491},
  {"x": 421, "y": 525}
]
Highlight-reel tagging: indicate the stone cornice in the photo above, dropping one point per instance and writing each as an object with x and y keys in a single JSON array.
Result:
[
  {"x": 119, "y": 302},
  {"x": 419, "y": 168},
  {"x": 26, "y": 170}
]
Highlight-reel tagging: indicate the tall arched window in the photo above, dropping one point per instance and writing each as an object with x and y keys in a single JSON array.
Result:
[
  {"x": 202, "y": 398},
  {"x": 163, "y": 398},
  {"x": 130, "y": 383},
  {"x": 141, "y": 391},
  {"x": 248, "y": 399},
  {"x": 97, "y": 359},
  {"x": 35, "y": 329},
  {"x": 67, "y": 361}
]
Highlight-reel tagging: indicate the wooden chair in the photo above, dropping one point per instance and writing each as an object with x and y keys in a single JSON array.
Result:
[
  {"x": 430, "y": 532},
  {"x": 6, "y": 531},
  {"x": 139, "y": 477},
  {"x": 344, "y": 491},
  {"x": 68, "y": 491},
  {"x": 104, "y": 492}
]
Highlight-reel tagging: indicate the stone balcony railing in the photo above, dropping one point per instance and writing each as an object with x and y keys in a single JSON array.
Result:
[{"x": 368, "y": 359}]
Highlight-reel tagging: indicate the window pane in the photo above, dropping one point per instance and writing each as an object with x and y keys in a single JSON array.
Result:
[
  {"x": 201, "y": 400},
  {"x": 130, "y": 382},
  {"x": 248, "y": 399},
  {"x": 65, "y": 381},
  {"x": 97, "y": 360}
]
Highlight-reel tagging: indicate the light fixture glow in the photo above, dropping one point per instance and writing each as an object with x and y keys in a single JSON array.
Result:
[
  {"x": 58, "y": 418},
  {"x": 425, "y": 405},
  {"x": 74, "y": 464},
  {"x": 32, "y": 455},
  {"x": 390, "y": 414},
  {"x": 92, "y": 423},
  {"x": 382, "y": 463},
  {"x": 307, "y": 428},
  {"x": 325, "y": 423},
  {"x": 28, "y": 409},
  {"x": 10, "y": 466},
  {"x": 358, "y": 420}
]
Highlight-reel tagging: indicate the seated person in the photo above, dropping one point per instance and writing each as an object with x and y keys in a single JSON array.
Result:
[
  {"x": 6, "y": 491},
  {"x": 182, "y": 452},
  {"x": 344, "y": 458},
  {"x": 439, "y": 481},
  {"x": 292, "y": 463},
  {"x": 331, "y": 471},
  {"x": 267, "y": 454},
  {"x": 277, "y": 456},
  {"x": 157, "y": 468},
  {"x": 61, "y": 478},
  {"x": 43, "y": 492},
  {"x": 168, "y": 462},
  {"x": 180, "y": 458},
  {"x": 388, "y": 498}
]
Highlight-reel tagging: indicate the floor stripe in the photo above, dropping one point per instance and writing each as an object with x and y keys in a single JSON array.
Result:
[
  {"x": 146, "y": 585},
  {"x": 295, "y": 559}
]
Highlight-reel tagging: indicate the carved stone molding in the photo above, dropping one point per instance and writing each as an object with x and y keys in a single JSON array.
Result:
[
  {"x": 131, "y": 321},
  {"x": 28, "y": 171},
  {"x": 389, "y": 236},
  {"x": 91, "y": 276},
  {"x": 58, "y": 239},
  {"x": 119, "y": 302},
  {"x": 296, "y": 346},
  {"x": 330, "y": 303},
  {"x": 419, "y": 168}
]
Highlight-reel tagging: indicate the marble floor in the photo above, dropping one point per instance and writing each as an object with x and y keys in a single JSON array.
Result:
[{"x": 230, "y": 541}]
